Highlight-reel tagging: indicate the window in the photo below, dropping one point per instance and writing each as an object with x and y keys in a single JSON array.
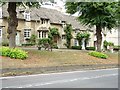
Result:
[
  {"x": 0, "y": 12},
  {"x": 0, "y": 32},
  {"x": 47, "y": 21},
  {"x": 27, "y": 33},
  {"x": 44, "y": 34},
  {"x": 27, "y": 16},
  {"x": 63, "y": 36},
  {"x": 75, "y": 42},
  {"x": 42, "y": 21},
  {"x": 39, "y": 34}
]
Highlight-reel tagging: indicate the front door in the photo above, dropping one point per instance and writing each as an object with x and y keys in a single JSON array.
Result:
[{"x": 18, "y": 38}]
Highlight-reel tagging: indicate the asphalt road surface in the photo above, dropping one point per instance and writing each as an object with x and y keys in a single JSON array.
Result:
[{"x": 105, "y": 78}]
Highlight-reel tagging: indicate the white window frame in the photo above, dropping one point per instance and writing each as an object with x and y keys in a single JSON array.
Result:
[
  {"x": 44, "y": 34},
  {"x": 0, "y": 12},
  {"x": 39, "y": 34},
  {"x": 75, "y": 42},
  {"x": 28, "y": 33},
  {"x": 27, "y": 16}
]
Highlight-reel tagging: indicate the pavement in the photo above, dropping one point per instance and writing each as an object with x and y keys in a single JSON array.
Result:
[{"x": 102, "y": 78}]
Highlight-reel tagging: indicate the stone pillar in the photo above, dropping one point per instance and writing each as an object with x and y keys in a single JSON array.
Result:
[{"x": 83, "y": 44}]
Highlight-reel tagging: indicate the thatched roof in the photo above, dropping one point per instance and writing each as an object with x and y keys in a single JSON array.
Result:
[{"x": 53, "y": 15}]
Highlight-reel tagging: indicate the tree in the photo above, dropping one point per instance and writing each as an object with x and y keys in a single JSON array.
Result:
[
  {"x": 99, "y": 14},
  {"x": 13, "y": 21},
  {"x": 68, "y": 33}
]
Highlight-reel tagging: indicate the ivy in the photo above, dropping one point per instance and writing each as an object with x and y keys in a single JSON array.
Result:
[
  {"x": 80, "y": 37},
  {"x": 68, "y": 33}
]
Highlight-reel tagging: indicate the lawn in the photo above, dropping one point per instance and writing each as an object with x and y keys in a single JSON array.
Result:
[{"x": 57, "y": 58}]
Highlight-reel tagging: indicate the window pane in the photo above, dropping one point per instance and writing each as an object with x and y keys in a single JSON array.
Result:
[{"x": 27, "y": 32}]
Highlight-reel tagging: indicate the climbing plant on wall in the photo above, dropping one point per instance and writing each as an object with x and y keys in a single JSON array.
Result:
[{"x": 80, "y": 37}]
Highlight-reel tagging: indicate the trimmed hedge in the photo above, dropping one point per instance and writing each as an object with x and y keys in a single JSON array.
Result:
[
  {"x": 116, "y": 48},
  {"x": 90, "y": 48},
  {"x": 13, "y": 53},
  {"x": 76, "y": 47},
  {"x": 28, "y": 44},
  {"x": 98, "y": 54}
]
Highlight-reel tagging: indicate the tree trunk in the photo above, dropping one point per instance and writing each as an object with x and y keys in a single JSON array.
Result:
[
  {"x": 12, "y": 24},
  {"x": 99, "y": 37}
]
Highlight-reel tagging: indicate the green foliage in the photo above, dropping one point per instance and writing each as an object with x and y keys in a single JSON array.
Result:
[
  {"x": 68, "y": 35},
  {"x": 43, "y": 41},
  {"x": 28, "y": 44},
  {"x": 33, "y": 39},
  {"x": 13, "y": 53},
  {"x": 116, "y": 48},
  {"x": 80, "y": 37},
  {"x": 90, "y": 48},
  {"x": 4, "y": 43},
  {"x": 98, "y": 54},
  {"x": 55, "y": 46},
  {"x": 110, "y": 43},
  {"x": 105, "y": 44},
  {"x": 54, "y": 32},
  {"x": 76, "y": 47},
  {"x": 99, "y": 14},
  {"x": 94, "y": 13}
]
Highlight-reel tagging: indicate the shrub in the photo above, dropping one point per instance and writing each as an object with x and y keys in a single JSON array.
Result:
[
  {"x": 43, "y": 41},
  {"x": 76, "y": 47},
  {"x": 98, "y": 54},
  {"x": 5, "y": 43},
  {"x": 110, "y": 44},
  {"x": 116, "y": 48},
  {"x": 33, "y": 39},
  {"x": 13, "y": 53},
  {"x": 5, "y": 51},
  {"x": 28, "y": 44},
  {"x": 105, "y": 44},
  {"x": 90, "y": 48},
  {"x": 55, "y": 46}
]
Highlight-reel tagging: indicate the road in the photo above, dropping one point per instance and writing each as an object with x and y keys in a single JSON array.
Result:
[{"x": 105, "y": 78}]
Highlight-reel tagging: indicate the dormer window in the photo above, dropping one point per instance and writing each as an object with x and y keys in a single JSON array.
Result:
[
  {"x": 42, "y": 21},
  {"x": 27, "y": 16}
]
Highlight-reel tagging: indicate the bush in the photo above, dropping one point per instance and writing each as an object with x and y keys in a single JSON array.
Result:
[
  {"x": 76, "y": 47},
  {"x": 5, "y": 44},
  {"x": 55, "y": 46},
  {"x": 90, "y": 48},
  {"x": 105, "y": 44},
  {"x": 28, "y": 44},
  {"x": 116, "y": 48},
  {"x": 33, "y": 39},
  {"x": 13, "y": 53},
  {"x": 43, "y": 41},
  {"x": 98, "y": 54}
]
